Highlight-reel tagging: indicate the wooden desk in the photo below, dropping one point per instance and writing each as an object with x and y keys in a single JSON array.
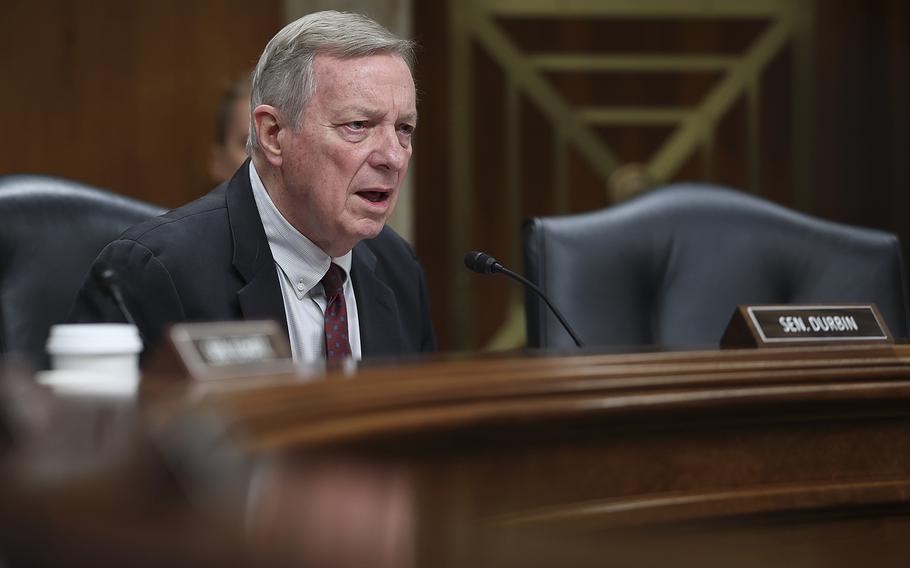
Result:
[{"x": 796, "y": 457}]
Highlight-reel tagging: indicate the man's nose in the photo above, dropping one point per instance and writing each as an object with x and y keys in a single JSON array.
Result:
[{"x": 389, "y": 152}]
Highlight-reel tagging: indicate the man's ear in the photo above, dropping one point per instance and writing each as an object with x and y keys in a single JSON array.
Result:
[{"x": 268, "y": 124}]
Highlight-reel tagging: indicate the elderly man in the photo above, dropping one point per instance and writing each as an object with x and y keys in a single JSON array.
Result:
[{"x": 298, "y": 234}]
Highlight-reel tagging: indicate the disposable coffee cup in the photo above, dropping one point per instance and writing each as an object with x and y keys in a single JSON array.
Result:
[{"x": 108, "y": 352}]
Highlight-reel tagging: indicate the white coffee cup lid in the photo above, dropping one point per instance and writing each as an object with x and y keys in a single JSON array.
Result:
[{"x": 94, "y": 338}]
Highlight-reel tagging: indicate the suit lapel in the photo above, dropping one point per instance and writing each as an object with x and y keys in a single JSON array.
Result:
[
  {"x": 260, "y": 298},
  {"x": 377, "y": 310}
]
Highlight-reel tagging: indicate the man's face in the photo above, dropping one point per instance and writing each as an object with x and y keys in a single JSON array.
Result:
[{"x": 342, "y": 171}]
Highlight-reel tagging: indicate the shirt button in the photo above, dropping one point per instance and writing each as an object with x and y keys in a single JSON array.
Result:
[{"x": 300, "y": 285}]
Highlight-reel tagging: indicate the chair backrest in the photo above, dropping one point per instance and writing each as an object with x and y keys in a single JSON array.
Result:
[
  {"x": 669, "y": 267},
  {"x": 50, "y": 232}
]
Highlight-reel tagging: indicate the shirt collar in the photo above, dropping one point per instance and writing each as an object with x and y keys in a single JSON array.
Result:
[{"x": 302, "y": 262}]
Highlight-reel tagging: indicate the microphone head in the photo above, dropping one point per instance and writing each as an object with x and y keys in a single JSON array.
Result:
[
  {"x": 105, "y": 278},
  {"x": 481, "y": 262},
  {"x": 103, "y": 274}
]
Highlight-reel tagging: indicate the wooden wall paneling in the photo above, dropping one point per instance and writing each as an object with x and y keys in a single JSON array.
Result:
[
  {"x": 432, "y": 162},
  {"x": 825, "y": 133},
  {"x": 777, "y": 138},
  {"x": 460, "y": 205},
  {"x": 635, "y": 143},
  {"x": 588, "y": 189},
  {"x": 491, "y": 230},
  {"x": 538, "y": 161},
  {"x": 861, "y": 113},
  {"x": 731, "y": 138},
  {"x": 897, "y": 48},
  {"x": 122, "y": 95},
  {"x": 594, "y": 69}
]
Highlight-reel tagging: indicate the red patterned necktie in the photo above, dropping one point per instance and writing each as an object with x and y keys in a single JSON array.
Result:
[{"x": 337, "y": 345}]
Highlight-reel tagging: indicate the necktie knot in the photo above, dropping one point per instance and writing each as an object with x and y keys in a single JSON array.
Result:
[{"x": 333, "y": 282}]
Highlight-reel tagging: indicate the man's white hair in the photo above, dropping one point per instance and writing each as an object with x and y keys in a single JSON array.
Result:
[{"x": 284, "y": 77}]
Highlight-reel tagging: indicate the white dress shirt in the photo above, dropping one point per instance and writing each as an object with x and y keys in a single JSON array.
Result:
[{"x": 301, "y": 266}]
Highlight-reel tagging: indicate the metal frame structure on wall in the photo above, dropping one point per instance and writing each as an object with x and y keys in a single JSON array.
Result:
[{"x": 473, "y": 22}]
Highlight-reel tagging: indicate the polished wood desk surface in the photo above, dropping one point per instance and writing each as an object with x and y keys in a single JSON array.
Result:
[{"x": 797, "y": 457}]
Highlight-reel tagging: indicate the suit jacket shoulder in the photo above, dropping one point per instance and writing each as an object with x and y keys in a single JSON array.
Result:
[{"x": 183, "y": 266}]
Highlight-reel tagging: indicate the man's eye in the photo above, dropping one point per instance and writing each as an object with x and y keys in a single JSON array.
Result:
[
  {"x": 357, "y": 125},
  {"x": 406, "y": 129}
]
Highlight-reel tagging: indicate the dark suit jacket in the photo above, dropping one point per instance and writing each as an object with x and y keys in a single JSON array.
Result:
[{"x": 210, "y": 261}]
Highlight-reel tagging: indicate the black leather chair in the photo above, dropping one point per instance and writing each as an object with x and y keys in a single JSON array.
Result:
[
  {"x": 50, "y": 232},
  {"x": 669, "y": 267}
]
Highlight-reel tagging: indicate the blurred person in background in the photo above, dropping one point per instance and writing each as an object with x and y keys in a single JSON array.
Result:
[{"x": 232, "y": 128}]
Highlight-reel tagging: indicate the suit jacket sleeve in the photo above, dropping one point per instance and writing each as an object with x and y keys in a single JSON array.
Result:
[{"x": 148, "y": 291}]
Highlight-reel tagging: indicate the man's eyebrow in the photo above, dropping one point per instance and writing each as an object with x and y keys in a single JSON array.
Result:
[
  {"x": 364, "y": 111},
  {"x": 373, "y": 113}
]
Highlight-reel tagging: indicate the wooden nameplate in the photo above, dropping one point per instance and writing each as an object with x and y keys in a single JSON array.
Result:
[
  {"x": 803, "y": 325},
  {"x": 219, "y": 350}
]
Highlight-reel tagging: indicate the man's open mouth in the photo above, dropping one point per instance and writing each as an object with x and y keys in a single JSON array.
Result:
[{"x": 374, "y": 196}]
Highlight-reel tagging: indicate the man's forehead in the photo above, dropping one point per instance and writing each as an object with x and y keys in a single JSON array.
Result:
[
  {"x": 329, "y": 64},
  {"x": 365, "y": 83}
]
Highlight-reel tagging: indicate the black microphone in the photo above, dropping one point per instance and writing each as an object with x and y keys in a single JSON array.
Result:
[
  {"x": 485, "y": 264},
  {"x": 106, "y": 279}
]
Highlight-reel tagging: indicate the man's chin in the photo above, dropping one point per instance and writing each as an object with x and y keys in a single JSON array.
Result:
[
  {"x": 367, "y": 229},
  {"x": 372, "y": 232}
]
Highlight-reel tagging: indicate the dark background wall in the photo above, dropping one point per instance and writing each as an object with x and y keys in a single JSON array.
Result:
[
  {"x": 862, "y": 114},
  {"x": 122, "y": 95},
  {"x": 855, "y": 156}
]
